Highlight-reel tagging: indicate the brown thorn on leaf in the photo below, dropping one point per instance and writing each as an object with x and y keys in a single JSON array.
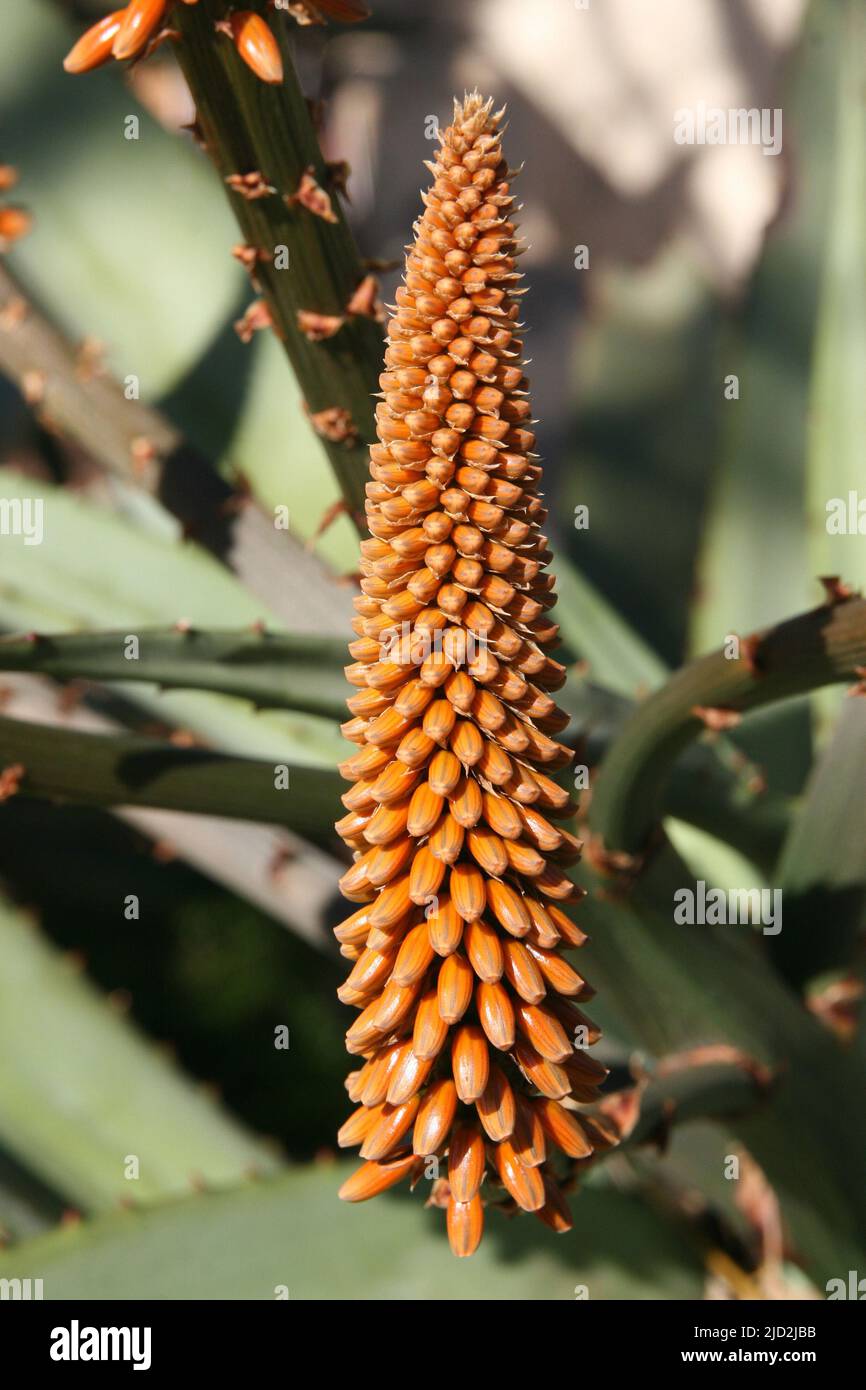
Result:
[
  {"x": 163, "y": 852},
  {"x": 10, "y": 780},
  {"x": 750, "y": 649},
  {"x": 70, "y": 697},
  {"x": 250, "y": 186},
  {"x": 334, "y": 424},
  {"x": 256, "y": 317},
  {"x": 717, "y": 1054},
  {"x": 329, "y": 516},
  {"x": 623, "y": 1108},
  {"x": 33, "y": 385},
  {"x": 716, "y": 719},
  {"x": 837, "y": 1005},
  {"x": 316, "y": 326},
  {"x": 310, "y": 195},
  {"x": 14, "y": 312},
  {"x": 613, "y": 863},
  {"x": 197, "y": 133},
  {"x": 282, "y": 857},
  {"x": 89, "y": 359},
  {"x": 860, "y": 687},
  {"x": 143, "y": 452},
  {"x": 366, "y": 302},
  {"x": 835, "y": 590},
  {"x": 185, "y": 738}
]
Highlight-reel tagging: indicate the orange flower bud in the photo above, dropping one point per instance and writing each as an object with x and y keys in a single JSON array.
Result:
[
  {"x": 138, "y": 23},
  {"x": 257, "y": 46},
  {"x": 14, "y": 223},
  {"x": 94, "y": 47}
]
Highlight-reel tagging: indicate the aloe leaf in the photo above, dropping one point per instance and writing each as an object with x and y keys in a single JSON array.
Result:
[
  {"x": 818, "y": 648},
  {"x": 103, "y": 258},
  {"x": 290, "y": 1237},
  {"x": 273, "y": 670},
  {"x": 81, "y": 1090},
  {"x": 822, "y": 869},
  {"x": 682, "y": 987},
  {"x": 65, "y": 576},
  {"x": 837, "y": 406},
  {"x": 595, "y": 632},
  {"x": 754, "y": 562},
  {"x": 130, "y": 770},
  {"x": 712, "y": 787}
]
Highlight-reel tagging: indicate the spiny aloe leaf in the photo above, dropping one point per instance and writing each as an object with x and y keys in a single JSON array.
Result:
[
  {"x": 818, "y": 648},
  {"x": 130, "y": 770},
  {"x": 290, "y": 1237},
  {"x": 273, "y": 670},
  {"x": 61, "y": 583},
  {"x": 81, "y": 1090}
]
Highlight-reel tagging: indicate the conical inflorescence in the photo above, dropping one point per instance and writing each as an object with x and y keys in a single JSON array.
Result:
[{"x": 470, "y": 1033}]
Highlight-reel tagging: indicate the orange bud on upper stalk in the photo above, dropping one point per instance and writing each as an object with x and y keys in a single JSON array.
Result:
[
  {"x": 14, "y": 223},
  {"x": 257, "y": 46},
  {"x": 456, "y": 857},
  {"x": 94, "y": 47},
  {"x": 138, "y": 22}
]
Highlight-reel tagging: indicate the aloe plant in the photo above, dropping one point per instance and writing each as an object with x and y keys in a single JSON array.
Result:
[{"x": 730, "y": 1027}]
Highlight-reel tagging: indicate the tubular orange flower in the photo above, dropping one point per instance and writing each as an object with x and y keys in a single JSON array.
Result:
[
  {"x": 455, "y": 823},
  {"x": 94, "y": 47},
  {"x": 257, "y": 45}
]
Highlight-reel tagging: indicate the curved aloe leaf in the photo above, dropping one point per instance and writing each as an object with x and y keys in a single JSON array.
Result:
[
  {"x": 273, "y": 670},
  {"x": 128, "y": 770},
  {"x": 61, "y": 584},
  {"x": 823, "y": 646},
  {"x": 291, "y": 1238},
  {"x": 822, "y": 870},
  {"x": 837, "y": 406},
  {"x": 754, "y": 561},
  {"x": 82, "y": 1092},
  {"x": 683, "y": 987}
]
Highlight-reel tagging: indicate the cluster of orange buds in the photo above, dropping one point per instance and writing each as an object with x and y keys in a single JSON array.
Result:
[
  {"x": 131, "y": 31},
  {"x": 15, "y": 221},
  {"x": 472, "y": 1038}
]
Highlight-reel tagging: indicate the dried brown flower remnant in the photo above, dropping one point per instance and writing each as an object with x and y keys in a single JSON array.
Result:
[{"x": 470, "y": 1031}]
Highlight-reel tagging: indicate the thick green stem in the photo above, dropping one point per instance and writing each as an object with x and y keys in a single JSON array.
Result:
[
  {"x": 130, "y": 770},
  {"x": 818, "y": 648},
  {"x": 252, "y": 128}
]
